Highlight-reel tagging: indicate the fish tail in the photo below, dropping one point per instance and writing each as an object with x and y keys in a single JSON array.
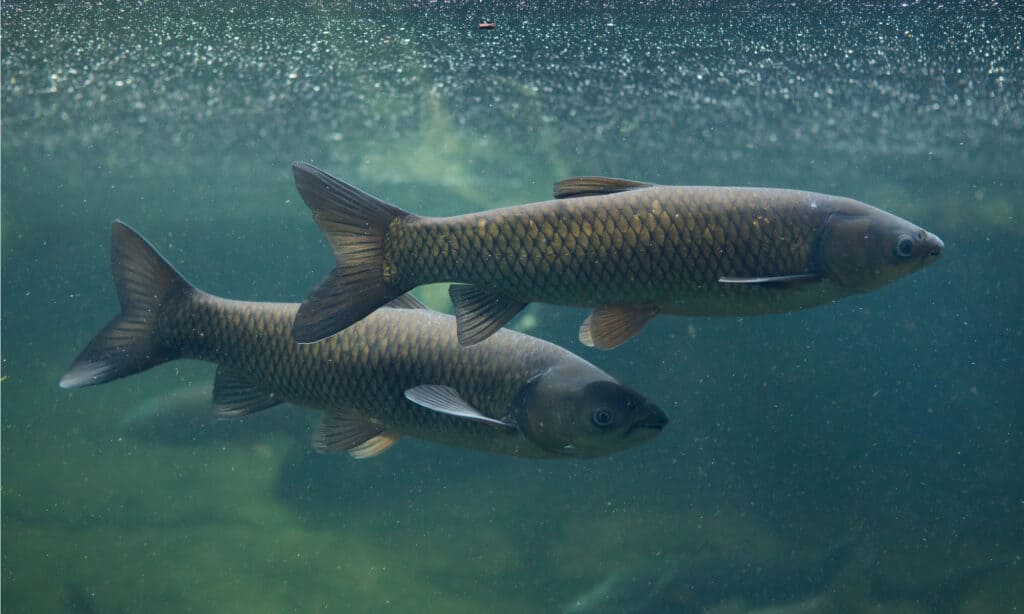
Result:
[
  {"x": 147, "y": 286},
  {"x": 356, "y": 225}
]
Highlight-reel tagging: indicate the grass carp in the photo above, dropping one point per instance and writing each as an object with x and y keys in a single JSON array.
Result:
[
  {"x": 627, "y": 249},
  {"x": 399, "y": 372}
]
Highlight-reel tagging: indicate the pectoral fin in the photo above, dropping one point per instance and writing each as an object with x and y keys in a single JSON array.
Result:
[
  {"x": 447, "y": 401},
  {"x": 782, "y": 280},
  {"x": 593, "y": 186},
  {"x": 480, "y": 313},
  {"x": 344, "y": 431},
  {"x": 610, "y": 326},
  {"x": 236, "y": 393}
]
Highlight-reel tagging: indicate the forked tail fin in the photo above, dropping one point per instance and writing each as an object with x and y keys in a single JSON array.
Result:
[
  {"x": 147, "y": 285},
  {"x": 355, "y": 224}
]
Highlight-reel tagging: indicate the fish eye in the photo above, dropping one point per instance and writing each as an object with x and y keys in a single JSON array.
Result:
[
  {"x": 602, "y": 417},
  {"x": 904, "y": 247}
]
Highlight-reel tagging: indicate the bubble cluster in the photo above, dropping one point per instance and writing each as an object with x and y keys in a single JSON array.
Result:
[{"x": 651, "y": 91}]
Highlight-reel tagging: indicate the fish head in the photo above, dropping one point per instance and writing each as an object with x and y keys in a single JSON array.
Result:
[
  {"x": 863, "y": 248},
  {"x": 579, "y": 410}
]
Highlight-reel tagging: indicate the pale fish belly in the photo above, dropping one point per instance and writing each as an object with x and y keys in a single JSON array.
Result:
[{"x": 752, "y": 299}]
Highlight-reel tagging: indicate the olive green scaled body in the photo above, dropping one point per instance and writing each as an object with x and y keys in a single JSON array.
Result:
[
  {"x": 629, "y": 250},
  {"x": 401, "y": 371},
  {"x": 367, "y": 369},
  {"x": 662, "y": 246}
]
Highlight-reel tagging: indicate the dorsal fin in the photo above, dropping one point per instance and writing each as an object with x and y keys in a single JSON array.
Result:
[
  {"x": 480, "y": 313},
  {"x": 592, "y": 186}
]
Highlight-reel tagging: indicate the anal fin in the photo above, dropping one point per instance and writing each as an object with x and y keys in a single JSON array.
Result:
[
  {"x": 235, "y": 393},
  {"x": 358, "y": 436},
  {"x": 480, "y": 313},
  {"x": 610, "y": 326}
]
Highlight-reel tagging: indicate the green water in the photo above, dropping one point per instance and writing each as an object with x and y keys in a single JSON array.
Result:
[{"x": 888, "y": 425}]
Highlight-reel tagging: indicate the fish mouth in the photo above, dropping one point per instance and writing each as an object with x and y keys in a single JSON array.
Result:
[
  {"x": 935, "y": 246},
  {"x": 655, "y": 419}
]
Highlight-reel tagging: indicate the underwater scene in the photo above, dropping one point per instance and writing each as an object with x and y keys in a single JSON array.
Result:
[{"x": 809, "y": 405}]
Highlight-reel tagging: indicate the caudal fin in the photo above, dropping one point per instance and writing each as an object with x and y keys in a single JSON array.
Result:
[
  {"x": 147, "y": 285},
  {"x": 355, "y": 224}
]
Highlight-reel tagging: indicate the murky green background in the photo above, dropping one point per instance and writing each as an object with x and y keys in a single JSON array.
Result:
[{"x": 884, "y": 431}]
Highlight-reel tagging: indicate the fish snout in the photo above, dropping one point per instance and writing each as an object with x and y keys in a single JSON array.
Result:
[
  {"x": 654, "y": 418},
  {"x": 934, "y": 246}
]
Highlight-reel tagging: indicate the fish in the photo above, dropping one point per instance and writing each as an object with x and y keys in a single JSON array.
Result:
[
  {"x": 628, "y": 250},
  {"x": 700, "y": 584},
  {"x": 400, "y": 372}
]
